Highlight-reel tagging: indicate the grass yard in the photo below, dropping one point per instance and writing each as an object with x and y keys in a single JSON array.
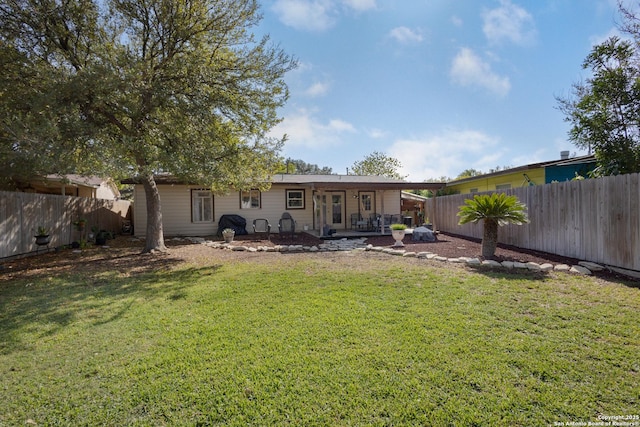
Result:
[{"x": 326, "y": 339}]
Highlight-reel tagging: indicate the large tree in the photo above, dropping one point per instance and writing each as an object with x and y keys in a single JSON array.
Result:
[
  {"x": 379, "y": 164},
  {"x": 604, "y": 111},
  {"x": 138, "y": 88}
]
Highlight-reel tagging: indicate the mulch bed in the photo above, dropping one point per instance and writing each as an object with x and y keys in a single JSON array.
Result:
[{"x": 124, "y": 254}]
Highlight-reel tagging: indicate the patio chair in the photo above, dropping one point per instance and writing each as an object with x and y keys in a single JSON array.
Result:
[
  {"x": 261, "y": 227},
  {"x": 287, "y": 225},
  {"x": 357, "y": 222},
  {"x": 374, "y": 222}
]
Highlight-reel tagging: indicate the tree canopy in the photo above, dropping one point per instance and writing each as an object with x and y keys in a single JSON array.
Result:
[
  {"x": 604, "y": 110},
  {"x": 140, "y": 87},
  {"x": 301, "y": 167},
  {"x": 378, "y": 164},
  {"x": 495, "y": 209}
]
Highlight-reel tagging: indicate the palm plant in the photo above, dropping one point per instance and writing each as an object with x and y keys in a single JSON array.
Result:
[{"x": 495, "y": 209}]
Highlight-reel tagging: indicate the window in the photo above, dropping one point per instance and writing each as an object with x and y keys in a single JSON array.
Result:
[
  {"x": 295, "y": 199},
  {"x": 473, "y": 190},
  {"x": 250, "y": 199},
  {"x": 201, "y": 206},
  {"x": 365, "y": 201},
  {"x": 500, "y": 187}
]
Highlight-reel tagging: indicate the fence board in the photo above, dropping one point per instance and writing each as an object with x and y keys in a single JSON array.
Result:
[
  {"x": 22, "y": 213},
  {"x": 595, "y": 219}
]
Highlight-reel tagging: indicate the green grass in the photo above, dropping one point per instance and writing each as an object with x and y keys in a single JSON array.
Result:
[{"x": 313, "y": 342}]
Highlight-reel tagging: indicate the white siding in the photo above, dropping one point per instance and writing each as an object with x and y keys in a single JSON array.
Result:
[{"x": 176, "y": 209}]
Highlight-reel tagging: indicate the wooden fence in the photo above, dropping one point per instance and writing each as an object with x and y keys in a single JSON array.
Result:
[
  {"x": 593, "y": 220},
  {"x": 22, "y": 213}
]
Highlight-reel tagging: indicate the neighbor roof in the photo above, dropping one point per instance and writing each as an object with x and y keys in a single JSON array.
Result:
[{"x": 590, "y": 158}]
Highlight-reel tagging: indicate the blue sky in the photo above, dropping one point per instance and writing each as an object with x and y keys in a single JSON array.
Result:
[{"x": 441, "y": 85}]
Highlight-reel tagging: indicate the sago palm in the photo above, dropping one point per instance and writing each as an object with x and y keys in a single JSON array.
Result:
[{"x": 495, "y": 209}]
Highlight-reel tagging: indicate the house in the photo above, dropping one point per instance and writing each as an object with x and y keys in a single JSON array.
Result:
[
  {"x": 541, "y": 173},
  {"x": 72, "y": 185},
  {"x": 317, "y": 203}
]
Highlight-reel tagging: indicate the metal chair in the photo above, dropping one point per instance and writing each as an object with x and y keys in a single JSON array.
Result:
[
  {"x": 261, "y": 226},
  {"x": 287, "y": 225}
]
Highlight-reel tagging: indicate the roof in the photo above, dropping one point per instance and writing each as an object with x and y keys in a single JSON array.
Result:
[
  {"x": 590, "y": 158},
  {"x": 72, "y": 179},
  {"x": 326, "y": 182}
]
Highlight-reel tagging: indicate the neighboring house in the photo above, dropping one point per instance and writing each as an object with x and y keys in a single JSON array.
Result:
[
  {"x": 564, "y": 169},
  {"x": 316, "y": 202},
  {"x": 73, "y": 185},
  {"x": 413, "y": 205}
]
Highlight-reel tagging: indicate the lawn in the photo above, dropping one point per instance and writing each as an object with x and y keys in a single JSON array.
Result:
[{"x": 324, "y": 339}]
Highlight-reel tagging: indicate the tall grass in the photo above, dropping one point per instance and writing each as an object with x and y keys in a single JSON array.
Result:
[{"x": 315, "y": 341}]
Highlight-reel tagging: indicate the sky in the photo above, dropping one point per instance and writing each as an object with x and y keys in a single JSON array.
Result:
[{"x": 441, "y": 85}]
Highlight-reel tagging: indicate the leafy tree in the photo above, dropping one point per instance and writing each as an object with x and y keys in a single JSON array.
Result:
[
  {"x": 494, "y": 210},
  {"x": 141, "y": 87},
  {"x": 604, "y": 111},
  {"x": 468, "y": 173},
  {"x": 300, "y": 167},
  {"x": 378, "y": 164}
]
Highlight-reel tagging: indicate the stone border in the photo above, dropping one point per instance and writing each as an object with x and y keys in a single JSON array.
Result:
[{"x": 585, "y": 268}]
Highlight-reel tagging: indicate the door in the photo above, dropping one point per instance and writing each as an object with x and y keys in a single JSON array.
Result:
[
  {"x": 336, "y": 212},
  {"x": 333, "y": 209},
  {"x": 367, "y": 204}
]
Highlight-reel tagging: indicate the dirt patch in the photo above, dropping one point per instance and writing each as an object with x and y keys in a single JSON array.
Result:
[{"x": 123, "y": 254}]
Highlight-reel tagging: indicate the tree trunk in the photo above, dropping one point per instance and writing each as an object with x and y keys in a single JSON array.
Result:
[
  {"x": 155, "y": 235},
  {"x": 489, "y": 238}
]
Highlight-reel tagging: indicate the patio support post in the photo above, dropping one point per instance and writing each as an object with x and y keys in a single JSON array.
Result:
[{"x": 382, "y": 224}]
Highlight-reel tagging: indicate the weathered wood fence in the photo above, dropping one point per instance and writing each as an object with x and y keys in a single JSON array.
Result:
[
  {"x": 594, "y": 219},
  {"x": 22, "y": 213}
]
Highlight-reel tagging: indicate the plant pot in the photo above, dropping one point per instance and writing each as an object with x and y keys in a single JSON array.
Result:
[
  {"x": 228, "y": 237},
  {"x": 398, "y": 235},
  {"x": 101, "y": 238},
  {"x": 42, "y": 239}
]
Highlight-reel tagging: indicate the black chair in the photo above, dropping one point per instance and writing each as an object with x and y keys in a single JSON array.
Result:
[
  {"x": 374, "y": 222},
  {"x": 261, "y": 227},
  {"x": 287, "y": 225}
]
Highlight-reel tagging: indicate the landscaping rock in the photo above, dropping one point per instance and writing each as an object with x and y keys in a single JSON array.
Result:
[
  {"x": 591, "y": 265},
  {"x": 580, "y": 270},
  {"x": 546, "y": 267},
  {"x": 533, "y": 266}
]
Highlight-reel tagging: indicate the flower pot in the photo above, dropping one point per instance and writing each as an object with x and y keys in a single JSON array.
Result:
[
  {"x": 228, "y": 236},
  {"x": 398, "y": 235},
  {"x": 42, "y": 239}
]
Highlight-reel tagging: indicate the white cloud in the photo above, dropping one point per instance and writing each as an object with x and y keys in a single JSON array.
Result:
[
  {"x": 377, "y": 133},
  {"x": 305, "y": 130},
  {"x": 468, "y": 69},
  {"x": 510, "y": 23},
  {"x": 445, "y": 154},
  {"x": 457, "y": 21},
  {"x": 360, "y": 5},
  {"x": 310, "y": 15},
  {"x": 317, "y": 89},
  {"x": 316, "y": 15},
  {"x": 406, "y": 35}
]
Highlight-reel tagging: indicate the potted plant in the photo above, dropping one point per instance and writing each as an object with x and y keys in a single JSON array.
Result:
[
  {"x": 228, "y": 234},
  {"x": 42, "y": 236},
  {"x": 80, "y": 223},
  {"x": 101, "y": 237},
  {"x": 397, "y": 232}
]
